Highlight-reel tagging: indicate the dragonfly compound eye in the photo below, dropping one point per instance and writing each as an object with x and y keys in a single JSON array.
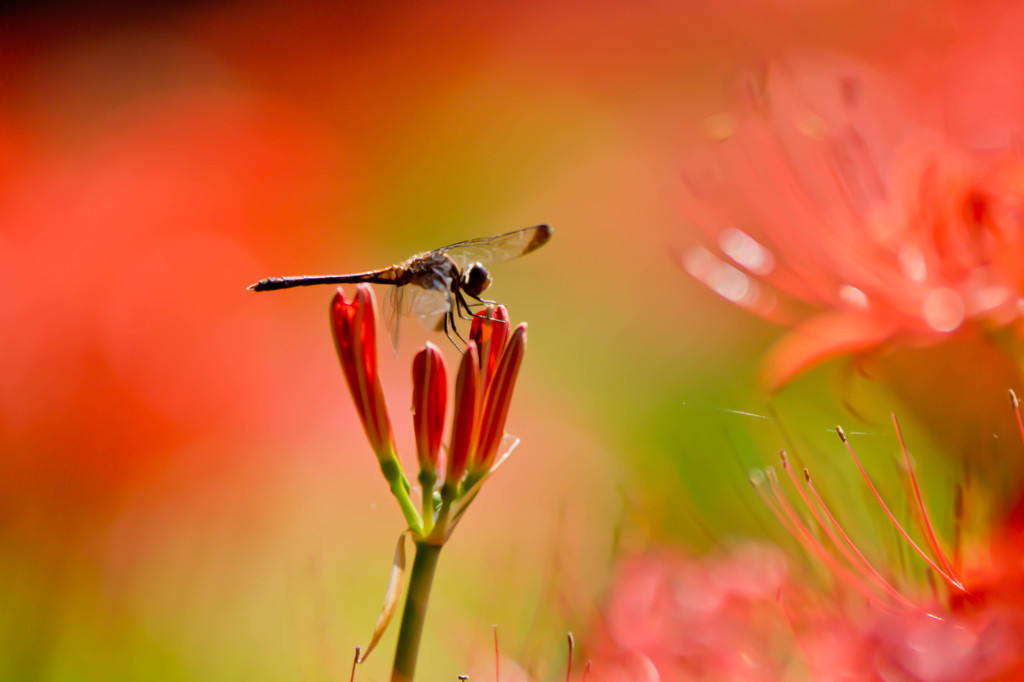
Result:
[{"x": 476, "y": 279}]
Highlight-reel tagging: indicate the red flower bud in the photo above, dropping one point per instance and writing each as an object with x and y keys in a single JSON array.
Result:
[
  {"x": 355, "y": 337},
  {"x": 466, "y": 424},
  {"x": 429, "y": 401},
  {"x": 497, "y": 400}
]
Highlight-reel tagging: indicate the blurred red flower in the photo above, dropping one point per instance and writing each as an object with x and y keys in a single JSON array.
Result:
[
  {"x": 860, "y": 227},
  {"x": 750, "y": 614},
  {"x": 677, "y": 617},
  {"x": 745, "y": 616}
]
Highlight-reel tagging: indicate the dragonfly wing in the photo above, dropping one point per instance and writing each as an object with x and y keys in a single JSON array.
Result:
[
  {"x": 395, "y": 305},
  {"x": 427, "y": 304},
  {"x": 426, "y": 299},
  {"x": 502, "y": 247}
]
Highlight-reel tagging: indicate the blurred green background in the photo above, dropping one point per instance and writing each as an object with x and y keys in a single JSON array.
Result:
[{"x": 185, "y": 490}]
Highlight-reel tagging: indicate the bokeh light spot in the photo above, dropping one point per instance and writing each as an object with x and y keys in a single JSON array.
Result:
[
  {"x": 944, "y": 309},
  {"x": 746, "y": 251},
  {"x": 853, "y": 296}
]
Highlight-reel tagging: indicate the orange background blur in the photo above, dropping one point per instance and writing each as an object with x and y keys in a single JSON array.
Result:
[{"x": 185, "y": 490}]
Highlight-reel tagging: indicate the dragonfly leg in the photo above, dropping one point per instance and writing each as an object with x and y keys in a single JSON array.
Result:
[
  {"x": 449, "y": 327},
  {"x": 454, "y": 300},
  {"x": 481, "y": 301},
  {"x": 459, "y": 297},
  {"x": 455, "y": 328},
  {"x": 460, "y": 304}
]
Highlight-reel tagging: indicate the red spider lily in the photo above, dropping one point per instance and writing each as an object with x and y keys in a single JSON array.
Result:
[
  {"x": 490, "y": 332},
  {"x": 429, "y": 400},
  {"x": 751, "y": 616},
  {"x": 483, "y": 393},
  {"x": 466, "y": 424},
  {"x": 498, "y": 385},
  {"x": 675, "y": 617},
  {"x": 746, "y": 615},
  {"x": 354, "y": 326},
  {"x": 859, "y": 243},
  {"x": 968, "y": 630}
]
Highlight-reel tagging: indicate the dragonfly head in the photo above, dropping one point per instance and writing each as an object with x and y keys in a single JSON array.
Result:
[{"x": 475, "y": 280}]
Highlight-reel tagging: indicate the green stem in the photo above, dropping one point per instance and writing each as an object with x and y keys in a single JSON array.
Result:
[
  {"x": 392, "y": 471},
  {"x": 448, "y": 495},
  {"x": 415, "y": 612},
  {"x": 427, "y": 480}
]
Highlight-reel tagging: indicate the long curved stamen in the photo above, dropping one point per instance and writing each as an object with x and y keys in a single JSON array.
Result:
[
  {"x": 1016, "y": 411},
  {"x": 929, "y": 533},
  {"x": 906, "y": 536},
  {"x": 875, "y": 576},
  {"x": 844, "y": 545},
  {"x": 776, "y": 502}
]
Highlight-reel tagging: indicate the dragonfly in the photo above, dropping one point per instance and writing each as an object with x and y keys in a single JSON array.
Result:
[{"x": 434, "y": 283}]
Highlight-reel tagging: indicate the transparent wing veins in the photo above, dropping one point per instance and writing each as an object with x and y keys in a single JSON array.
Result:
[
  {"x": 499, "y": 248},
  {"x": 393, "y": 311}
]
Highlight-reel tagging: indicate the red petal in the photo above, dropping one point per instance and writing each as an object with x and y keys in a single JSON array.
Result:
[
  {"x": 429, "y": 401},
  {"x": 498, "y": 399},
  {"x": 490, "y": 330},
  {"x": 465, "y": 425},
  {"x": 355, "y": 339},
  {"x": 820, "y": 339}
]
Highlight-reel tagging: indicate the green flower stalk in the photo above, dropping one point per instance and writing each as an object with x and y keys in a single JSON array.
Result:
[{"x": 483, "y": 392}]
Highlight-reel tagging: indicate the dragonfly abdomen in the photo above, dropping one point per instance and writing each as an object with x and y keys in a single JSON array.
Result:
[{"x": 389, "y": 275}]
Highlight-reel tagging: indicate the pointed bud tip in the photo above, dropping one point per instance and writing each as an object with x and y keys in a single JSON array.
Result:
[
  {"x": 842, "y": 435},
  {"x": 364, "y": 292},
  {"x": 1013, "y": 399},
  {"x": 520, "y": 334},
  {"x": 429, "y": 352},
  {"x": 426, "y": 363}
]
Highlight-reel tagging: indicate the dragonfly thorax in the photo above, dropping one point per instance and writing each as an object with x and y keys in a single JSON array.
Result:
[{"x": 475, "y": 280}]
